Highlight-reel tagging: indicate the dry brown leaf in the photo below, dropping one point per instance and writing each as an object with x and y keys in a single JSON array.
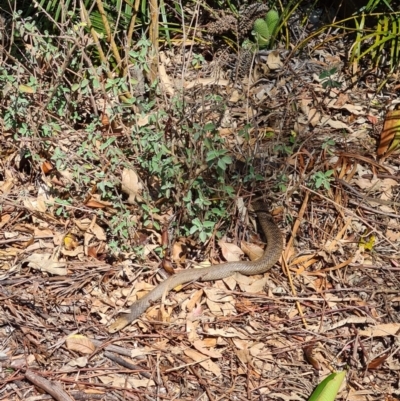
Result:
[
  {"x": 4, "y": 219},
  {"x": 274, "y": 61},
  {"x": 215, "y": 308},
  {"x": 42, "y": 232},
  {"x": 204, "y": 361},
  {"x": 353, "y": 109},
  {"x": 47, "y": 167},
  {"x": 80, "y": 362},
  {"x": 44, "y": 263},
  {"x": 10, "y": 253},
  {"x": 86, "y": 225},
  {"x": 149, "y": 248},
  {"x": 80, "y": 343},
  {"x": 377, "y": 362},
  {"x": 235, "y": 96},
  {"x": 335, "y": 123},
  {"x": 228, "y": 332},
  {"x": 245, "y": 282},
  {"x": 192, "y": 328},
  {"x": 381, "y": 330},
  {"x": 309, "y": 354},
  {"x": 243, "y": 355},
  {"x": 261, "y": 357},
  {"x": 230, "y": 282},
  {"x": 73, "y": 252},
  {"x": 178, "y": 255},
  {"x": 253, "y": 251},
  {"x": 165, "y": 80},
  {"x": 6, "y": 186},
  {"x": 194, "y": 300},
  {"x": 96, "y": 203},
  {"x": 392, "y": 235},
  {"x": 202, "y": 347},
  {"x": 372, "y": 119},
  {"x": 216, "y": 295},
  {"x": 36, "y": 205},
  {"x": 255, "y": 287},
  {"x": 313, "y": 116},
  {"x": 342, "y": 99},
  {"x": 230, "y": 252}
]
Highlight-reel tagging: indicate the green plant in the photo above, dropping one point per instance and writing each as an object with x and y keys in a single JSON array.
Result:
[
  {"x": 264, "y": 28},
  {"x": 282, "y": 181},
  {"x": 284, "y": 149},
  {"x": 327, "y": 80},
  {"x": 203, "y": 227},
  {"x": 322, "y": 179},
  {"x": 327, "y": 145},
  {"x": 193, "y": 175},
  {"x": 380, "y": 43},
  {"x": 198, "y": 60}
]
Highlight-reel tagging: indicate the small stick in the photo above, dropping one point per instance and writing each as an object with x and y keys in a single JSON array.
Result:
[{"x": 51, "y": 388}]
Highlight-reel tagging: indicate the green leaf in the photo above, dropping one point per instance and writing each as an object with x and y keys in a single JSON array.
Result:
[
  {"x": 329, "y": 387},
  {"x": 209, "y": 224},
  {"x": 272, "y": 19},
  {"x": 203, "y": 236},
  {"x": 263, "y": 34},
  {"x": 192, "y": 230},
  {"x": 26, "y": 89}
]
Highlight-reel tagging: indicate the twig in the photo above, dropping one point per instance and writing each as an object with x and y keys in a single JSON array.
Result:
[{"x": 51, "y": 388}]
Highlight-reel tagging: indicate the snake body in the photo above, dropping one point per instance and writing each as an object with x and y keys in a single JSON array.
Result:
[{"x": 216, "y": 272}]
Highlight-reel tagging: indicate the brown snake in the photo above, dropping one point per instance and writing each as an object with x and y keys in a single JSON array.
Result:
[{"x": 216, "y": 272}]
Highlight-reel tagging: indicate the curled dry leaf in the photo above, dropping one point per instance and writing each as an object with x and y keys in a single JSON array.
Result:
[
  {"x": 377, "y": 362},
  {"x": 131, "y": 185},
  {"x": 6, "y": 186},
  {"x": 167, "y": 265},
  {"x": 335, "y": 124},
  {"x": 310, "y": 356},
  {"x": 47, "y": 167}
]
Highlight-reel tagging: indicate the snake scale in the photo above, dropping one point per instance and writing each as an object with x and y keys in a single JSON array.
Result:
[{"x": 216, "y": 272}]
